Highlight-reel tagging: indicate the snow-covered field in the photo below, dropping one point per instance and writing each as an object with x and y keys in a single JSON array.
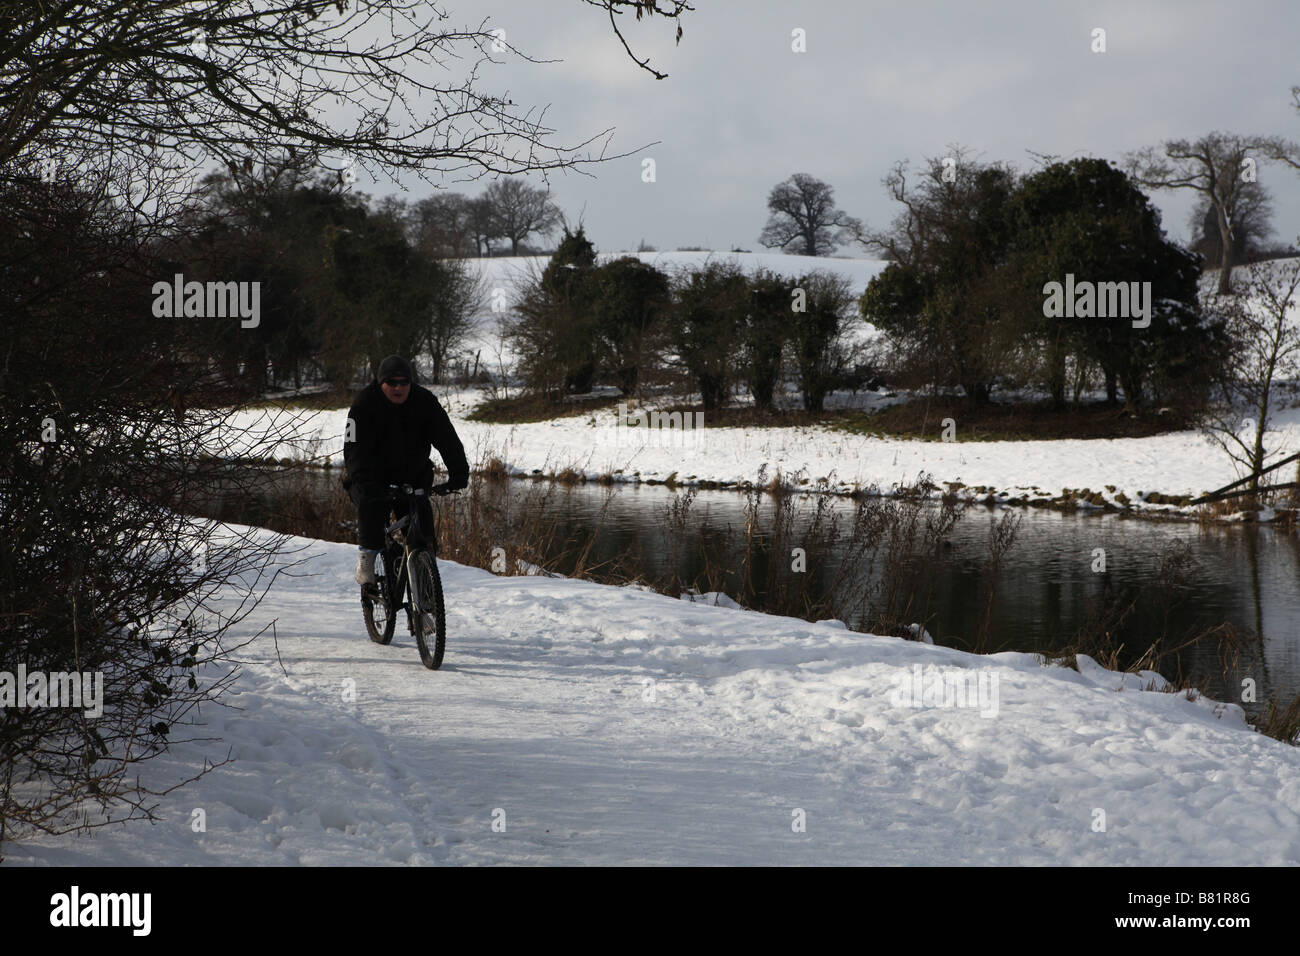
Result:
[
  {"x": 1177, "y": 463},
  {"x": 1122, "y": 471},
  {"x": 575, "y": 723}
]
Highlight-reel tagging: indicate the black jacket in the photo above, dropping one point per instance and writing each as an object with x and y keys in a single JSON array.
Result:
[{"x": 390, "y": 443}]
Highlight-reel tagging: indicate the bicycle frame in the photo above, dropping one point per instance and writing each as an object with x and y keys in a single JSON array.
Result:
[{"x": 405, "y": 578}]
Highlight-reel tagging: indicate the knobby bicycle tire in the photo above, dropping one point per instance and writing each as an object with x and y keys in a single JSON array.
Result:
[
  {"x": 428, "y": 586},
  {"x": 380, "y": 628}
]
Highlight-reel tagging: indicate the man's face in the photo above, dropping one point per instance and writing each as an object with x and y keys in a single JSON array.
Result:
[{"x": 396, "y": 388}]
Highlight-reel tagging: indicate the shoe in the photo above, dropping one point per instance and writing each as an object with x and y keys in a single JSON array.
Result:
[{"x": 366, "y": 567}]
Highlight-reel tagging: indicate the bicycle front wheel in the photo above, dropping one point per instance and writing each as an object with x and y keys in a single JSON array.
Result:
[
  {"x": 377, "y": 605},
  {"x": 431, "y": 617}
]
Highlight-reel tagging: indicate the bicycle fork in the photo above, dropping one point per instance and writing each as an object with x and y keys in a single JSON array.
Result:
[{"x": 416, "y": 605}]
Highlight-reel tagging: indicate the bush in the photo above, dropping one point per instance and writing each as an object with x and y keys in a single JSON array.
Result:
[
  {"x": 631, "y": 303},
  {"x": 708, "y": 317},
  {"x": 823, "y": 358},
  {"x": 101, "y": 573},
  {"x": 764, "y": 333}
]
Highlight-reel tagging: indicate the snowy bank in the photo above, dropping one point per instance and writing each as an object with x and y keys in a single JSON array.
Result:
[{"x": 1121, "y": 471}]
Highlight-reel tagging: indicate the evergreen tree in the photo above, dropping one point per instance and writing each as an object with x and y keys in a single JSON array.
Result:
[
  {"x": 555, "y": 331},
  {"x": 631, "y": 302},
  {"x": 1088, "y": 219},
  {"x": 711, "y": 305}
]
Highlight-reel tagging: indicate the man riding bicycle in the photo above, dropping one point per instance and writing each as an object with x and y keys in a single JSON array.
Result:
[{"x": 391, "y": 425}]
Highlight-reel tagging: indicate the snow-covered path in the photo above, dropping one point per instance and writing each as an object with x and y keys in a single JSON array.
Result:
[{"x": 600, "y": 725}]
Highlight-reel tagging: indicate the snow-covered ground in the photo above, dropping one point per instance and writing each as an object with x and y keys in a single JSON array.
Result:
[{"x": 575, "y": 723}]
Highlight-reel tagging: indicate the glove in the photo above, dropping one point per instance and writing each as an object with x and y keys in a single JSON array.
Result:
[{"x": 453, "y": 483}]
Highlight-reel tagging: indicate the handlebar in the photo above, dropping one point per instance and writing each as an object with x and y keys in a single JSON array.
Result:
[
  {"x": 406, "y": 489},
  {"x": 441, "y": 490}
]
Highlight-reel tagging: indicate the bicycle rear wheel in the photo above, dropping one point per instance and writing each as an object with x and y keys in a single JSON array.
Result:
[
  {"x": 431, "y": 618},
  {"x": 377, "y": 607}
]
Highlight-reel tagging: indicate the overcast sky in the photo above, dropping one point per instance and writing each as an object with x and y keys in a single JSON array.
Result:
[{"x": 880, "y": 82}]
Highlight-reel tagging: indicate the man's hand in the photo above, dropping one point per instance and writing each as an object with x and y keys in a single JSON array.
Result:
[{"x": 453, "y": 483}]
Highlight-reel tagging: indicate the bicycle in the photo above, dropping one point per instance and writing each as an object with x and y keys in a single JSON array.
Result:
[{"x": 398, "y": 565}]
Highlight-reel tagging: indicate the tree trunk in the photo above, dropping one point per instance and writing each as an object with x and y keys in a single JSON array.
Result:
[
  {"x": 1257, "y": 453},
  {"x": 977, "y": 393},
  {"x": 1225, "y": 261},
  {"x": 712, "y": 392},
  {"x": 1056, "y": 375},
  {"x": 762, "y": 387},
  {"x": 1132, "y": 393},
  {"x": 578, "y": 381}
]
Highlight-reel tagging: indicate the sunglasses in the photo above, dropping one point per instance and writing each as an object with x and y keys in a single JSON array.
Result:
[{"x": 397, "y": 382}]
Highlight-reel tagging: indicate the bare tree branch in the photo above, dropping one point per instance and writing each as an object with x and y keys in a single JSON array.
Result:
[
  {"x": 1220, "y": 166},
  {"x": 387, "y": 84}
]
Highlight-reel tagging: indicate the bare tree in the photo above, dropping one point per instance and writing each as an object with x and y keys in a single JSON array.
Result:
[
  {"x": 1290, "y": 156},
  {"x": 440, "y": 226},
  {"x": 459, "y": 294},
  {"x": 944, "y": 296},
  {"x": 1219, "y": 166},
  {"x": 804, "y": 216},
  {"x": 113, "y": 428},
  {"x": 519, "y": 210},
  {"x": 932, "y": 206},
  {"x": 1266, "y": 351},
  {"x": 236, "y": 81},
  {"x": 482, "y": 225},
  {"x": 1251, "y": 226}
]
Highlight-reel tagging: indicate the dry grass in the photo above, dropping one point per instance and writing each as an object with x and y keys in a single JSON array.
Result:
[
  {"x": 923, "y": 418},
  {"x": 1279, "y": 721},
  {"x": 538, "y": 408},
  {"x": 494, "y": 469},
  {"x": 1116, "y": 638},
  {"x": 874, "y": 566}
]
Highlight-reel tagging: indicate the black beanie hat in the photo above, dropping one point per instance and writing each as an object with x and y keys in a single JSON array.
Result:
[{"x": 395, "y": 365}]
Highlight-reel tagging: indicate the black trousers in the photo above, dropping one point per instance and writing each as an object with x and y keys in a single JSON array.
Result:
[{"x": 374, "y": 504}]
